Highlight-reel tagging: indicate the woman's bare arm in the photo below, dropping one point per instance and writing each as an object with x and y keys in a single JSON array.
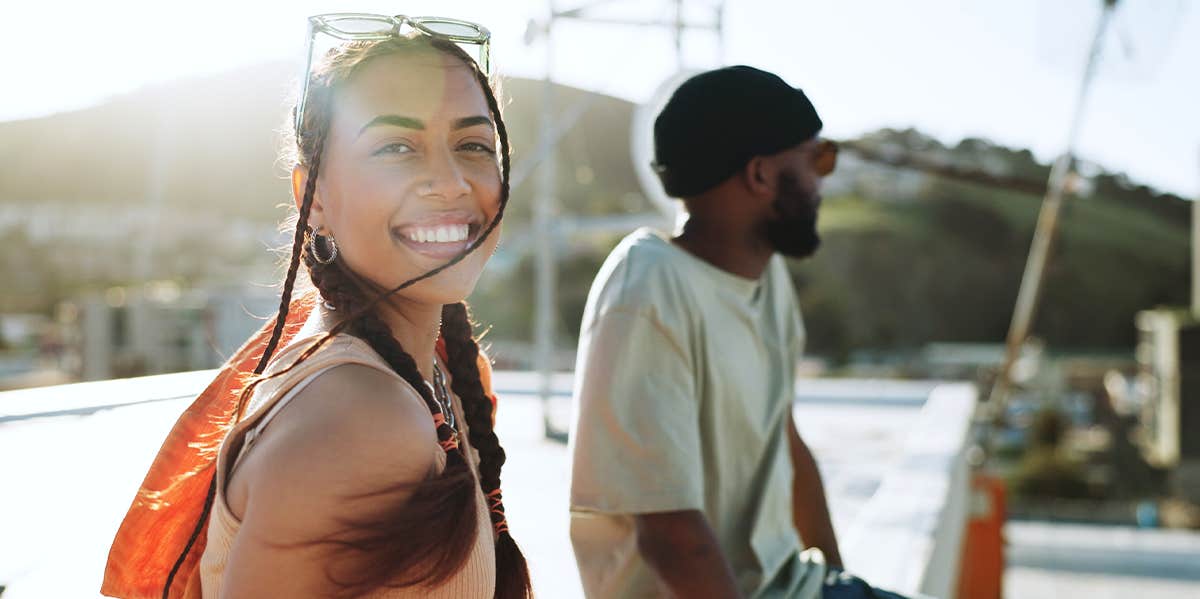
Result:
[{"x": 353, "y": 431}]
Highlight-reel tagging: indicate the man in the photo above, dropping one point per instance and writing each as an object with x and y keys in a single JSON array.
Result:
[{"x": 689, "y": 479}]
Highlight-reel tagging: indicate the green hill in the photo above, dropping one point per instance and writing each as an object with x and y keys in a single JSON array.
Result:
[
  {"x": 945, "y": 264},
  {"x": 188, "y": 172}
]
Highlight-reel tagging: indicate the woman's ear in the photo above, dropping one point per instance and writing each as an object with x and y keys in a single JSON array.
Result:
[{"x": 299, "y": 181}]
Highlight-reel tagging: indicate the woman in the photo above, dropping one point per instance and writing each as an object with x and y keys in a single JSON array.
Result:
[{"x": 362, "y": 461}]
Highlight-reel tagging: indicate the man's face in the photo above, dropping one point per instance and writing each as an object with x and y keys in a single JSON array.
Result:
[{"x": 792, "y": 228}]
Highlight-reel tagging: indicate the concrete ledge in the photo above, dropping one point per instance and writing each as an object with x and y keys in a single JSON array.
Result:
[
  {"x": 908, "y": 537},
  {"x": 86, "y": 398}
]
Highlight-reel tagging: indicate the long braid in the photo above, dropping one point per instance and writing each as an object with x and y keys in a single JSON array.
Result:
[
  {"x": 341, "y": 288},
  {"x": 298, "y": 239},
  {"x": 285, "y": 300},
  {"x": 462, "y": 353},
  {"x": 427, "y": 538}
]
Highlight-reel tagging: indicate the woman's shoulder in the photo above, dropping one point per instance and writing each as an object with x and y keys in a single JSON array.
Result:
[
  {"x": 353, "y": 410},
  {"x": 293, "y": 365},
  {"x": 352, "y": 445},
  {"x": 352, "y": 431}
]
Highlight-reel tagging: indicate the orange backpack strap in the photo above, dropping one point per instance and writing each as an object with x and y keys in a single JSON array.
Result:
[{"x": 170, "y": 502}]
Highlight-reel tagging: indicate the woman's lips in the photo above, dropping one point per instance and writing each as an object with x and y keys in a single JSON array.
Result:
[{"x": 437, "y": 239}]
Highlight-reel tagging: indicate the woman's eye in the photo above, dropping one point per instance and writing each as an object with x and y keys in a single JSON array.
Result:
[
  {"x": 472, "y": 146},
  {"x": 393, "y": 149}
]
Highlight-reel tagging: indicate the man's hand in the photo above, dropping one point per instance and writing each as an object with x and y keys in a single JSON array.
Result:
[{"x": 682, "y": 550}]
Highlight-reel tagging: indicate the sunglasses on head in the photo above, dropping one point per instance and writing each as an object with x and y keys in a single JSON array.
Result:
[{"x": 474, "y": 38}]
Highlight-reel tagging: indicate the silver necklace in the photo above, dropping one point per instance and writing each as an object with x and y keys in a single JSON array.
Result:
[{"x": 442, "y": 395}]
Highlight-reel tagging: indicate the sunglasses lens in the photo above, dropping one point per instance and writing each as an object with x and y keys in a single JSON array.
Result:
[
  {"x": 826, "y": 158},
  {"x": 451, "y": 29},
  {"x": 359, "y": 25}
]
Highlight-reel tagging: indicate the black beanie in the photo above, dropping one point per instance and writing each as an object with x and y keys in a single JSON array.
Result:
[{"x": 717, "y": 121}]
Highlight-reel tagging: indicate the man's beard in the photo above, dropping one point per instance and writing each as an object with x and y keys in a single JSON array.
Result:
[{"x": 794, "y": 232}]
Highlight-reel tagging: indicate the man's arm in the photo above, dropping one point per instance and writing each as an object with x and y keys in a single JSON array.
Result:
[
  {"x": 637, "y": 451},
  {"x": 809, "y": 508},
  {"x": 682, "y": 550}
]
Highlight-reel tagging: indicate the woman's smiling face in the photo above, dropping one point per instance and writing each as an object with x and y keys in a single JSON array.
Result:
[{"x": 410, "y": 175}]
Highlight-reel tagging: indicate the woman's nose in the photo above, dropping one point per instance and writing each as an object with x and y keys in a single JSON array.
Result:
[{"x": 446, "y": 178}]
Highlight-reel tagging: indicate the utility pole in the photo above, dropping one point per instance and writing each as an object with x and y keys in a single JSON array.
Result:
[
  {"x": 545, "y": 205},
  {"x": 1047, "y": 225},
  {"x": 548, "y": 230},
  {"x": 1196, "y": 252}
]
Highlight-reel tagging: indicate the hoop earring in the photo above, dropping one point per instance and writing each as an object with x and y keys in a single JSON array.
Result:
[{"x": 326, "y": 255}]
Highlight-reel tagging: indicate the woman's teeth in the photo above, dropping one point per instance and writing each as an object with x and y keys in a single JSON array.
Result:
[{"x": 439, "y": 234}]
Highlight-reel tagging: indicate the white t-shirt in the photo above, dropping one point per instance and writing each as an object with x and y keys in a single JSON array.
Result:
[{"x": 684, "y": 382}]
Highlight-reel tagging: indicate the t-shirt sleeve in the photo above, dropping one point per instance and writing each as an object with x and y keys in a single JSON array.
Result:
[{"x": 635, "y": 437}]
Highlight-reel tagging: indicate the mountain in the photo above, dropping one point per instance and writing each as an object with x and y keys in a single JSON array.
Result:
[
  {"x": 212, "y": 145},
  {"x": 184, "y": 181},
  {"x": 197, "y": 145}
]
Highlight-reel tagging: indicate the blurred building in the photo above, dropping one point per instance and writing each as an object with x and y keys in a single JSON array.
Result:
[
  {"x": 1169, "y": 381},
  {"x": 160, "y": 328}
]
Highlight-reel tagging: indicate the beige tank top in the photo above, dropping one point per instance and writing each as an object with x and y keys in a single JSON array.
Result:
[{"x": 477, "y": 577}]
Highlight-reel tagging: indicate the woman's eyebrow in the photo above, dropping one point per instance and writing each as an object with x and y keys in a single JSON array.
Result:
[
  {"x": 472, "y": 121},
  {"x": 394, "y": 120},
  {"x": 407, "y": 122}
]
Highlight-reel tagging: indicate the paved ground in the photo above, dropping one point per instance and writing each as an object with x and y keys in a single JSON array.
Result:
[{"x": 68, "y": 479}]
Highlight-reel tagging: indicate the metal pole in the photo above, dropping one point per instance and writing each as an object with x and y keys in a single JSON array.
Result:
[
  {"x": 1043, "y": 236},
  {"x": 545, "y": 313},
  {"x": 156, "y": 192},
  {"x": 679, "y": 26},
  {"x": 1196, "y": 255},
  {"x": 721, "y": 33}
]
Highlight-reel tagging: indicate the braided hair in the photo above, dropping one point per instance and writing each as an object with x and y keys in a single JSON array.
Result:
[{"x": 429, "y": 537}]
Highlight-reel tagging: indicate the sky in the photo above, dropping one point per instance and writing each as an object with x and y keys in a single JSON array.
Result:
[{"x": 1008, "y": 71}]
